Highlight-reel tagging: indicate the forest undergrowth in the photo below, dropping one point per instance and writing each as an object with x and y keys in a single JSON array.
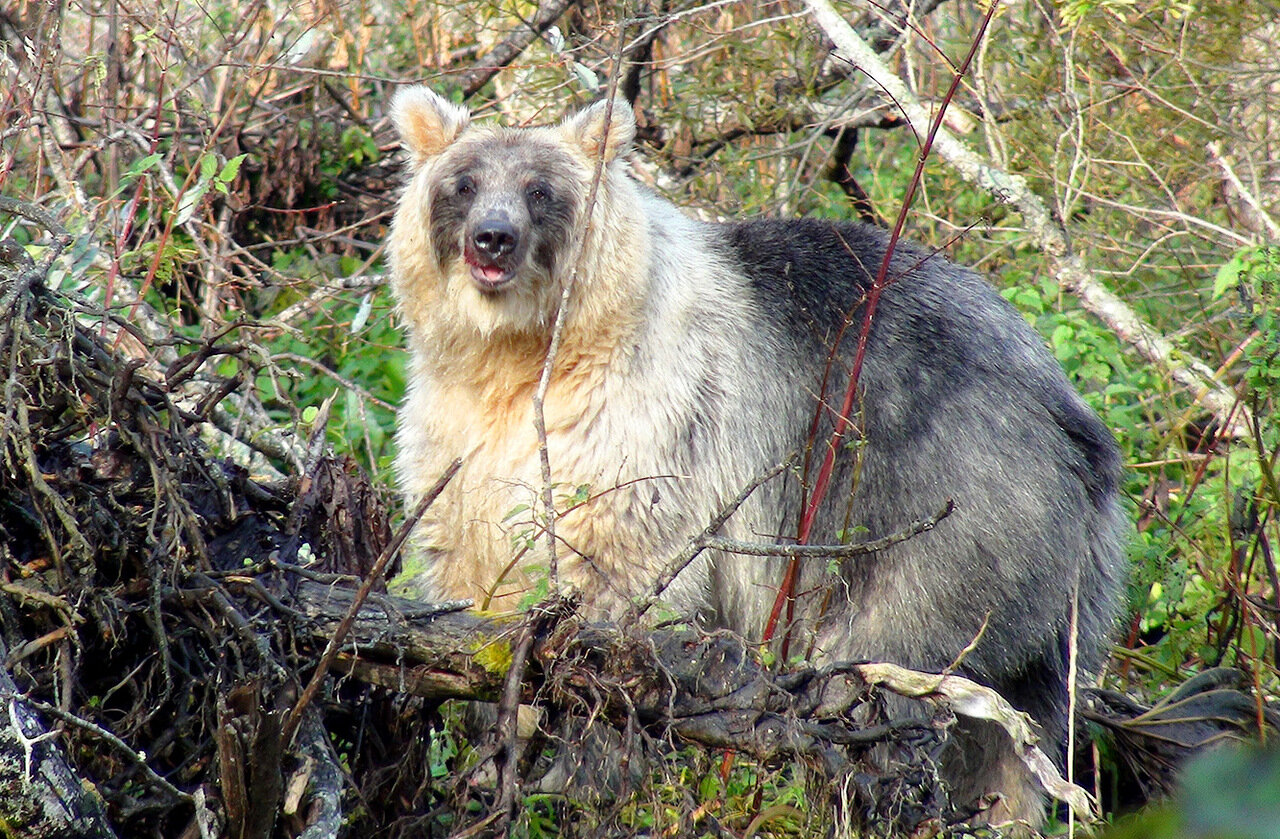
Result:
[{"x": 201, "y": 361}]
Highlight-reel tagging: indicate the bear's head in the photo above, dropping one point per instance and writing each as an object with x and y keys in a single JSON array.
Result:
[{"x": 492, "y": 218}]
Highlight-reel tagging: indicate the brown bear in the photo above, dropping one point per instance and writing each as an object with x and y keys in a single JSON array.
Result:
[{"x": 695, "y": 356}]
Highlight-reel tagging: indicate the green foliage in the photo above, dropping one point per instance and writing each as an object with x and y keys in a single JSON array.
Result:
[
  {"x": 340, "y": 149},
  {"x": 1090, "y": 353},
  {"x": 1074, "y": 11},
  {"x": 212, "y": 176},
  {"x": 540, "y": 587},
  {"x": 684, "y": 793},
  {"x": 443, "y": 748},
  {"x": 358, "y": 146},
  {"x": 140, "y": 167},
  {"x": 1254, "y": 274},
  {"x": 539, "y": 818},
  {"x": 170, "y": 259},
  {"x": 1230, "y": 793},
  {"x": 355, "y": 349}
]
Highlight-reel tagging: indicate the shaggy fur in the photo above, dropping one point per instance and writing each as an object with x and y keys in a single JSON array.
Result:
[{"x": 692, "y": 360}]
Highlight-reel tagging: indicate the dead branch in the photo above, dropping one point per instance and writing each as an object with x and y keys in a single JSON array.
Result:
[
  {"x": 1252, "y": 211},
  {"x": 915, "y": 528},
  {"x": 698, "y": 544},
  {"x": 708, "y": 689},
  {"x": 972, "y": 700},
  {"x": 510, "y": 48},
  {"x": 374, "y": 577}
]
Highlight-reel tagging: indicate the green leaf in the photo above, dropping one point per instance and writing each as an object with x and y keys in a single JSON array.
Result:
[
  {"x": 190, "y": 201},
  {"x": 586, "y": 77},
  {"x": 142, "y": 165},
  {"x": 135, "y": 171},
  {"x": 231, "y": 168},
  {"x": 1228, "y": 276},
  {"x": 1063, "y": 334},
  {"x": 362, "y": 314},
  {"x": 555, "y": 40}
]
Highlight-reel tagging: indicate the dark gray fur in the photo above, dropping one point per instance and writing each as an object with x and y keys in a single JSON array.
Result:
[{"x": 959, "y": 400}]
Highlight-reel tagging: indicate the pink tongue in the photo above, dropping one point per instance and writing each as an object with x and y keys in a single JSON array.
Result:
[{"x": 492, "y": 273}]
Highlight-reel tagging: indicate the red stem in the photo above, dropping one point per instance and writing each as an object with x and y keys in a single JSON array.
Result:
[{"x": 786, "y": 592}]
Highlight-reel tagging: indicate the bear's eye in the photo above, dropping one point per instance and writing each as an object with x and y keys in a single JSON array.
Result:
[
  {"x": 466, "y": 186},
  {"x": 538, "y": 193}
]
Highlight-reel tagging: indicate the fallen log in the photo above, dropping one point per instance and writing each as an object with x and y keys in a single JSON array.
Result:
[{"x": 707, "y": 688}]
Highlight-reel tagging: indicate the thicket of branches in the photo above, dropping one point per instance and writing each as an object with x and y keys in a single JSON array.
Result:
[{"x": 194, "y": 314}]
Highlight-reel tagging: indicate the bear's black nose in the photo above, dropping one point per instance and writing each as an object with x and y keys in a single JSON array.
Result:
[{"x": 495, "y": 238}]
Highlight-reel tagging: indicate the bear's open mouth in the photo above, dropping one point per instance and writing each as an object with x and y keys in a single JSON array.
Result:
[{"x": 489, "y": 278}]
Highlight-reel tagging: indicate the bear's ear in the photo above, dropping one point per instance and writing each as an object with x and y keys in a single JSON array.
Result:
[
  {"x": 427, "y": 122},
  {"x": 617, "y": 127}
]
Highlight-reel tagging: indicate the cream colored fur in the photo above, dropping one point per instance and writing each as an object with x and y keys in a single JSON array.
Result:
[{"x": 476, "y": 362}]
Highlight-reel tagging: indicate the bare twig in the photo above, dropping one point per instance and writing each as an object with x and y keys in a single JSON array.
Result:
[
  {"x": 699, "y": 543},
  {"x": 347, "y": 384},
  {"x": 514, "y": 44},
  {"x": 557, "y": 329},
  {"x": 1258, "y": 216},
  {"x": 102, "y": 734},
  {"x": 29, "y": 273},
  {"x": 794, "y": 551},
  {"x": 251, "y": 427},
  {"x": 509, "y": 706}
]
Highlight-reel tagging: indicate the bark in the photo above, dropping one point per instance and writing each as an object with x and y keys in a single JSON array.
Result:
[{"x": 40, "y": 797}]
